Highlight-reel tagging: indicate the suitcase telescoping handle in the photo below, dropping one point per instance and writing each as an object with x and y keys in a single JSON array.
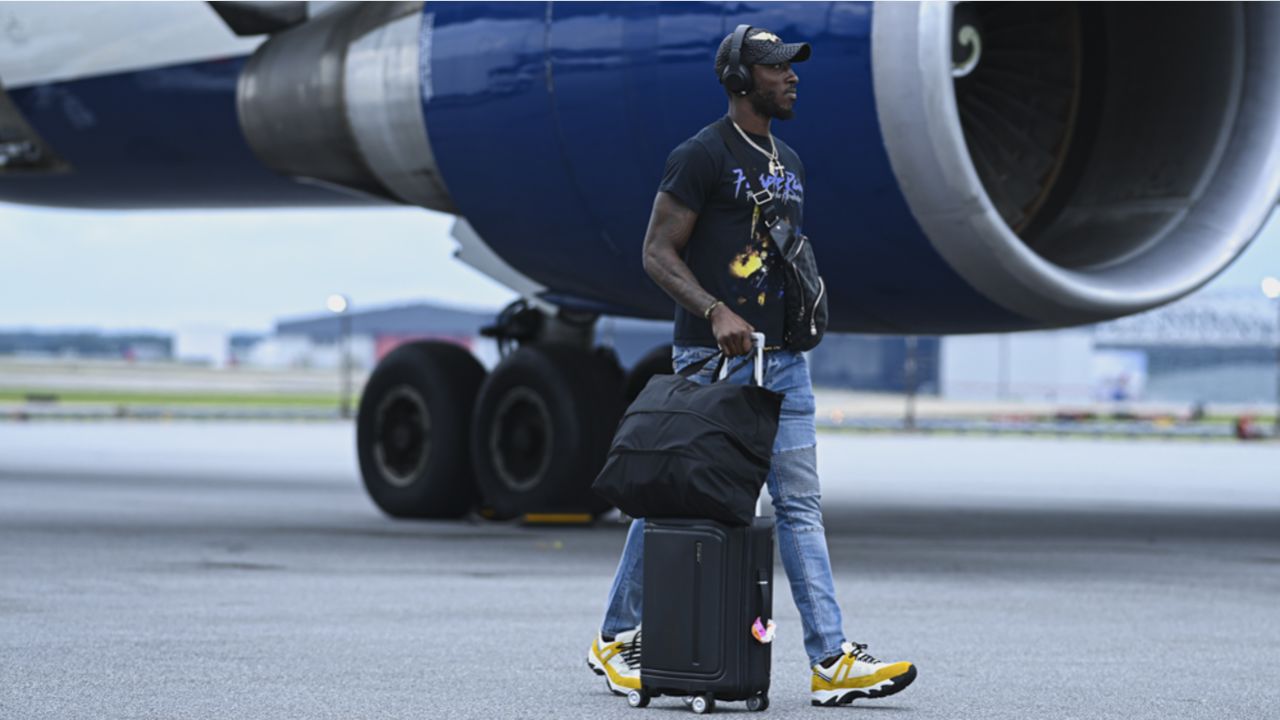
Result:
[{"x": 757, "y": 355}]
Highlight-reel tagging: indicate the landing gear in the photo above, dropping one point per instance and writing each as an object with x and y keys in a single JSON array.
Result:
[
  {"x": 412, "y": 431},
  {"x": 542, "y": 425},
  {"x": 437, "y": 439}
]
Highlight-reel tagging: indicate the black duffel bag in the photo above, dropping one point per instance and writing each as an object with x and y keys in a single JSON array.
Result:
[{"x": 689, "y": 450}]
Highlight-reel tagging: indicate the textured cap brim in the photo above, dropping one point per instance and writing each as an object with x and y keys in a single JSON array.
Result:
[{"x": 786, "y": 52}]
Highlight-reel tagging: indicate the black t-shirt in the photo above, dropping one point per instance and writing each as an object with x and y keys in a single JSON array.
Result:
[{"x": 730, "y": 252}]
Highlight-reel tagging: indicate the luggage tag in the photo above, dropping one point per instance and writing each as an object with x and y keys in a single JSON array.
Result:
[{"x": 762, "y": 633}]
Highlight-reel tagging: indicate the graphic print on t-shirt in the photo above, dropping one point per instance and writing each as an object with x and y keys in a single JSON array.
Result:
[
  {"x": 754, "y": 271},
  {"x": 730, "y": 251}
]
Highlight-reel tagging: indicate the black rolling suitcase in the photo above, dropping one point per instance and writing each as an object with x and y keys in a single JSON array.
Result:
[{"x": 708, "y": 598}]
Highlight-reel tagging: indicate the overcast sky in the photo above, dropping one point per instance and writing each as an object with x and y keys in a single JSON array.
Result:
[
  {"x": 242, "y": 270},
  {"x": 237, "y": 270}
]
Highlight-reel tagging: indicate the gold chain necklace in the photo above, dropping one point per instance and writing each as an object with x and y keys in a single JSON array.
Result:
[{"x": 775, "y": 167}]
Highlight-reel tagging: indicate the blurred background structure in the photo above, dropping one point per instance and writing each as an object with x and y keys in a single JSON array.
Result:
[{"x": 1213, "y": 353}]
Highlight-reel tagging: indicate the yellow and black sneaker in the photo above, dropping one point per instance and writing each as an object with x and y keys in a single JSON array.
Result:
[
  {"x": 618, "y": 660},
  {"x": 855, "y": 674}
]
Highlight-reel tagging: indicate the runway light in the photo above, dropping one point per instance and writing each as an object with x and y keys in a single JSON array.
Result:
[
  {"x": 336, "y": 303},
  {"x": 1271, "y": 287},
  {"x": 339, "y": 304}
]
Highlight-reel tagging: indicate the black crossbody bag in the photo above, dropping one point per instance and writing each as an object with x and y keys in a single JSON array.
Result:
[{"x": 806, "y": 293}]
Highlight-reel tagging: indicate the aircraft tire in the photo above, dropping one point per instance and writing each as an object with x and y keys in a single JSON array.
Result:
[
  {"x": 542, "y": 427},
  {"x": 655, "y": 362},
  {"x": 412, "y": 431}
]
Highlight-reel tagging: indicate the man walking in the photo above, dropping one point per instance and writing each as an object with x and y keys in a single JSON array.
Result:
[{"x": 707, "y": 246}]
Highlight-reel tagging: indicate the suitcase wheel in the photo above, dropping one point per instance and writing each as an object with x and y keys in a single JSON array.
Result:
[
  {"x": 638, "y": 698},
  {"x": 703, "y": 704},
  {"x": 758, "y": 703}
]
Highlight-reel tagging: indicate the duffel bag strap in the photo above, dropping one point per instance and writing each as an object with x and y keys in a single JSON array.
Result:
[
  {"x": 756, "y": 356},
  {"x": 693, "y": 368}
]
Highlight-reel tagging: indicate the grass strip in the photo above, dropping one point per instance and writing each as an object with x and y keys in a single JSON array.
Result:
[{"x": 117, "y": 397}]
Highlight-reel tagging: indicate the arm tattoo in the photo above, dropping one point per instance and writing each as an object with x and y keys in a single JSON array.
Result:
[{"x": 670, "y": 226}]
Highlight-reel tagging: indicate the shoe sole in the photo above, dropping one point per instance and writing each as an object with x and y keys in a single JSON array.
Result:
[
  {"x": 605, "y": 675},
  {"x": 884, "y": 688}
]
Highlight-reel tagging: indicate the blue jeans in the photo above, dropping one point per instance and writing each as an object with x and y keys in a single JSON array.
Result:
[{"x": 793, "y": 485}]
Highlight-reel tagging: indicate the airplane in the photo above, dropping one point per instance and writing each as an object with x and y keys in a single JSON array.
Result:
[{"x": 972, "y": 167}]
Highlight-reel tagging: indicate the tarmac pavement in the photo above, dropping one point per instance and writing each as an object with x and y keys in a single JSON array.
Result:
[{"x": 223, "y": 570}]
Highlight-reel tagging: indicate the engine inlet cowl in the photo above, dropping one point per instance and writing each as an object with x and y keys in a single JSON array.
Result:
[{"x": 1079, "y": 162}]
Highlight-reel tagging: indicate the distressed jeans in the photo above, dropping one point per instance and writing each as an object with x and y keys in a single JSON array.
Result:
[{"x": 793, "y": 486}]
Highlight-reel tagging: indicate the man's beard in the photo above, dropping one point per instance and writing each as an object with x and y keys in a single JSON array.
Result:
[{"x": 767, "y": 105}]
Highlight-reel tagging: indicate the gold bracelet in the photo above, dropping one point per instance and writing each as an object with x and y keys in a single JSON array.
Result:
[{"x": 706, "y": 314}]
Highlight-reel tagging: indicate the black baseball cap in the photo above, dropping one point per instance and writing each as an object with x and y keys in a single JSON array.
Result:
[{"x": 762, "y": 47}]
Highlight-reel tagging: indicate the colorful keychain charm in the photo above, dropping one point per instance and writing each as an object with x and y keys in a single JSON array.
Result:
[{"x": 763, "y": 633}]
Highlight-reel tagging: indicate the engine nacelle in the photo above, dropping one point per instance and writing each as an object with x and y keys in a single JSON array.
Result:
[{"x": 338, "y": 100}]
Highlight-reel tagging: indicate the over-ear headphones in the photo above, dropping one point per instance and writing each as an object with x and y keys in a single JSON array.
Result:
[{"x": 736, "y": 77}]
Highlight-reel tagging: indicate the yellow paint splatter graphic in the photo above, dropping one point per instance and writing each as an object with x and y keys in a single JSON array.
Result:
[
  {"x": 760, "y": 299},
  {"x": 746, "y": 264}
]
